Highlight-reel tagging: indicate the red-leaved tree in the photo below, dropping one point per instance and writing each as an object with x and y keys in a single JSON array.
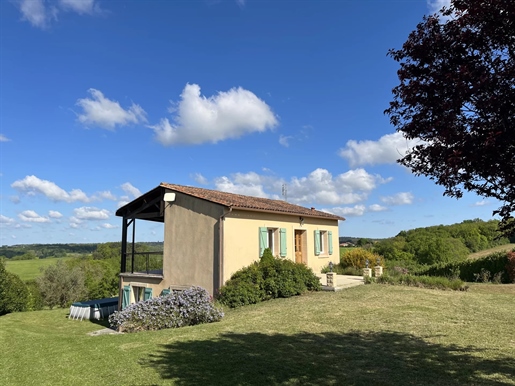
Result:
[{"x": 457, "y": 95}]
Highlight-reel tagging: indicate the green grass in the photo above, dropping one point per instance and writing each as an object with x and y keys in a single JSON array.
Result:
[
  {"x": 486, "y": 252},
  {"x": 366, "y": 335},
  {"x": 30, "y": 269}
]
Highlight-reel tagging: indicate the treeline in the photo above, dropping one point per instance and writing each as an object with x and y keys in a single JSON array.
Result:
[
  {"x": 42, "y": 251},
  {"x": 92, "y": 275},
  {"x": 440, "y": 244}
]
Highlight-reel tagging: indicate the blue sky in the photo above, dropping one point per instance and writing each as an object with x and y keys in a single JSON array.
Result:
[{"x": 101, "y": 101}]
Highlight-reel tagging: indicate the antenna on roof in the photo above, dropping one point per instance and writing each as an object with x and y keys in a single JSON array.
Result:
[{"x": 285, "y": 192}]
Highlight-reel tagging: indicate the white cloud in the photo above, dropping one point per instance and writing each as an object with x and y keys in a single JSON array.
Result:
[
  {"x": 33, "y": 185},
  {"x": 377, "y": 208},
  {"x": 403, "y": 198},
  {"x": 109, "y": 226},
  {"x": 103, "y": 112},
  {"x": 284, "y": 140},
  {"x": 3, "y": 138},
  {"x": 41, "y": 13},
  {"x": 31, "y": 216},
  {"x": 15, "y": 199},
  {"x": 106, "y": 195},
  {"x": 80, "y": 6},
  {"x": 241, "y": 3},
  {"x": 6, "y": 220},
  {"x": 481, "y": 203},
  {"x": 130, "y": 189},
  {"x": 199, "y": 119},
  {"x": 90, "y": 213},
  {"x": 354, "y": 211},
  {"x": 199, "y": 178},
  {"x": 319, "y": 187},
  {"x": 388, "y": 149},
  {"x": 54, "y": 214}
]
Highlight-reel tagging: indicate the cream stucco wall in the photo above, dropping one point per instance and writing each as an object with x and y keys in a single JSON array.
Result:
[{"x": 241, "y": 238}]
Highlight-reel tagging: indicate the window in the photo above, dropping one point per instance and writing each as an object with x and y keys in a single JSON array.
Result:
[
  {"x": 139, "y": 293},
  {"x": 273, "y": 238},
  {"x": 323, "y": 243}
]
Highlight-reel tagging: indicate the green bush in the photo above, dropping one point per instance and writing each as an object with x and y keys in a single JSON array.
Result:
[
  {"x": 357, "y": 258},
  {"x": 472, "y": 270},
  {"x": 14, "y": 295},
  {"x": 510, "y": 266},
  {"x": 341, "y": 270},
  {"x": 35, "y": 301},
  {"x": 267, "y": 279}
]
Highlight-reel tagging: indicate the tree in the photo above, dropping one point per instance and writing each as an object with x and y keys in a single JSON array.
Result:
[
  {"x": 457, "y": 96},
  {"x": 14, "y": 295}
]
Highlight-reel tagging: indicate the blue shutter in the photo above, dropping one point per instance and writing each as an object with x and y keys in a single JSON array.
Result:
[
  {"x": 263, "y": 240},
  {"x": 126, "y": 296},
  {"x": 282, "y": 233},
  {"x": 317, "y": 243},
  {"x": 148, "y": 294},
  {"x": 165, "y": 292},
  {"x": 330, "y": 242}
]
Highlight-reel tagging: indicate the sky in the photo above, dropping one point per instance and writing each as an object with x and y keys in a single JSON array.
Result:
[{"x": 101, "y": 101}]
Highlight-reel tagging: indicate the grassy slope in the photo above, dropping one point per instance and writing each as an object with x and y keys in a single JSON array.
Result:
[
  {"x": 486, "y": 252},
  {"x": 365, "y": 335},
  {"x": 30, "y": 269}
]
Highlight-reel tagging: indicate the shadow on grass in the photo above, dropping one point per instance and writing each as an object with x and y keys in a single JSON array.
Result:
[{"x": 386, "y": 358}]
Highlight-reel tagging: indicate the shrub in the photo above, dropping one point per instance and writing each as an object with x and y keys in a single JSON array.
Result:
[
  {"x": 35, "y": 301},
  {"x": 267, "y": 279},
  {"x": 14, "y": 295},
  {"x": 510, "y": 266},
  {"x": 472, "y": 270},
  {"x": 61, "y": 285},
  {"x": 357, "y": 258},
  {"x": 340, "y": 270},
  {"x": 177, "y": 309}
]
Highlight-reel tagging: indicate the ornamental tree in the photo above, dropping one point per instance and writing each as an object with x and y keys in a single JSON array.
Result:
[{"x": 457, "y": 96}]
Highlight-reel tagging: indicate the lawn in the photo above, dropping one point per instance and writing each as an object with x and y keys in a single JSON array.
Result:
[
  {"x": 365, "y": 335},
  {"x": 30, "y": 269}
]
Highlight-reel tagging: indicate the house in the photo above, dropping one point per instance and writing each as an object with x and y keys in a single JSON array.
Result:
[{"x": 209, "y": 235}]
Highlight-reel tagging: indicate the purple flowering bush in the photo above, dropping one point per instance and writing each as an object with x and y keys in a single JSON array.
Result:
[{"x": 177, "y": 309}]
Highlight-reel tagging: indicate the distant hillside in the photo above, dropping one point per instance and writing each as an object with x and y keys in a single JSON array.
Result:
[
  {"x": 43, "y": 251},
  {"x": 354, "y": 240}
]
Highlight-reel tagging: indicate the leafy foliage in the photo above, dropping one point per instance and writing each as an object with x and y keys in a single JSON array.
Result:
[
  {"x": 472, "y": 270},
  {"x": 357, "y": 258},
  {"x": 457, "y": 96},
  {"x": 439, "y": 244},
  {"x": 510, "y": 266},
  {"x": 177, "y": 309},
  {"x": 61, "y": 285},
  {"x": 267, "y": 279},
  {"x": 14, "y": 295}
]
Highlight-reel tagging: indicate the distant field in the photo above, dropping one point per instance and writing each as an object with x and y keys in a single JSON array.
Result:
[
  {"x": 486, "y": 252},
  {"x": 346, "y": 249},
  {"x": 30, "y": 269}
]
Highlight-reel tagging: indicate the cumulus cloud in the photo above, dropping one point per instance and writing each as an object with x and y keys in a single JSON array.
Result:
[
  {"x": 353, "y": 211},
  {"x": 318, "y": 187},
  {"x": 106, "y": 195},
  {"x": 130, "y": 189},
  {"x": 109, "y": 226},
  {"x": 3, "y": 138},
  {"x": 54, "y": 214},
  {"x": 31, "y": 216},
  {"x": 6, "y": 220},
  {"x": 200, "y": 179},
  {"x": 33, "y": 185},
  {"x": 387, "y": 150},
  {"x": 402, "y": 198},
  {"x": 41, "y": 13},
  {"x": 90, "y": 213},
  {"x": 103, "y": 112},
  {"x": 15, "y": 199},
  {"x": 124, "y": 200},
  {"x": 377, "y": 208},
  {"x": 228, "y": 114}
]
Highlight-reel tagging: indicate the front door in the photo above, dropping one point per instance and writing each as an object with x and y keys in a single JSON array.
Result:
[{"x": 300, "y": 253}]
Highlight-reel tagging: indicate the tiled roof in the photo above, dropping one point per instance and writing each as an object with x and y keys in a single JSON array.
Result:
[{"x": 239, "y": 201}]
